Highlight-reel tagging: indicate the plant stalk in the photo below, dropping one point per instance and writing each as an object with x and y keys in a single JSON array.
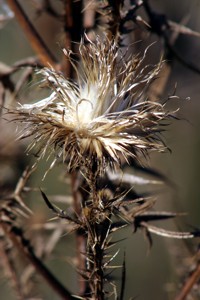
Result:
[{"x": 37, "y": 43}]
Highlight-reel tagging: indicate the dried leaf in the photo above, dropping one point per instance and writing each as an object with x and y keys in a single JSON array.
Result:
[{"x": 170, "y": 234}]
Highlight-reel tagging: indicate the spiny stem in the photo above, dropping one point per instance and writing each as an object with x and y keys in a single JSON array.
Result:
[
  {"x": 96, "y": 254},
  {"x": 95, "y": 237},
  {"x": 80, "y": 237},
  {"x": 98, "y": 272}
]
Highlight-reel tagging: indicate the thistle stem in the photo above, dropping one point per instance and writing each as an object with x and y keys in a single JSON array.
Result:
[
  {"x": 80, "y": 238},
  {"x": 95, "y": 254},
  {"x": 98, "y": 272}
]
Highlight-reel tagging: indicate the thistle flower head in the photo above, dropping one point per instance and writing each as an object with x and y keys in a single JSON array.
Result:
[{"x": 101, "y": 117}]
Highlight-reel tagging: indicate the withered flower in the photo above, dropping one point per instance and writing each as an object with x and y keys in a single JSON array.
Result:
[{"x": 102, "y": 117}]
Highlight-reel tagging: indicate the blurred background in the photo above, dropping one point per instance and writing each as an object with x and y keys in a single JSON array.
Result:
[{"x": 155, "y": 274}]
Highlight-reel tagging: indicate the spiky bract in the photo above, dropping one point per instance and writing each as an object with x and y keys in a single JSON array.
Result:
[{"x": 101, "y": 117}]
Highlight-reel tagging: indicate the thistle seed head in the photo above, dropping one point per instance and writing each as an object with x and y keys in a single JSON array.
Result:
[{"x": 102, "y": 117}]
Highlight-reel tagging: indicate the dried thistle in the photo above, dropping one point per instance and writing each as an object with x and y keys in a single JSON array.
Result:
[{"x": 101, "y": 118}]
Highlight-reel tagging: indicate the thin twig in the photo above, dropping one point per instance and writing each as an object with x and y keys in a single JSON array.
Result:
[
  {"x": 33, "y": 36},
  {"x": 11, "y": 273},
  {"x": 195, "y": 276},
  {"x": 73, "y": 27},
  {"x": 162, "y": 26},
  {"x": 115, "y": 18},
  {"x": 66, "y": 66},
  {"x": 23, "y": 245}
]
